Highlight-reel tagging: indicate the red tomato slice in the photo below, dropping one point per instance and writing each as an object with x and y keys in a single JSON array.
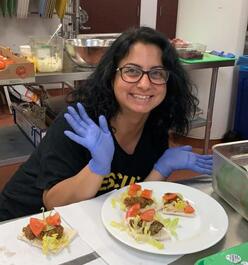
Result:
[
  {"x": 53, "y": 219},
  {"x": 8, "y": 61},
  {"x": 133, "y": 210},
  {"x": 147, "y": 194},
  {"x": 147, "y": 215},
  {"x": 169, "y": 197},
  {"x": 133, "y": 189},
  {"x": 188, "y": 209},
  {"x": 36, "y": 225},
  {"x": 2, "y": 65}
]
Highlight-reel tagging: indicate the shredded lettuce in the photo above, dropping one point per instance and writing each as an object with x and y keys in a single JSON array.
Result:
[
  {"x": 52, "y": 244},
  {"x": 140, "y": 234},
  {"x": 180, "y": 205},
  {"x": 120, "y": 201},
  {"x": 145, "y": 238},
  {"x": 171, "y": 224},
  {"x": 113, "y": 202},
  {"x": 121, "y": 226}
]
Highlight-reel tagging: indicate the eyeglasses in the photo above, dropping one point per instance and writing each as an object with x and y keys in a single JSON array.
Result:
[{"x": 131, "y": 74}]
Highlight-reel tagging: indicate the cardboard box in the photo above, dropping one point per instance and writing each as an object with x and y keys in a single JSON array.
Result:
[{"x": 20, "y": 72}]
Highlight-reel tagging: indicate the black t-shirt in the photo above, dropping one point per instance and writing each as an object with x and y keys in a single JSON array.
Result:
[{"x": 58, "y": 158}]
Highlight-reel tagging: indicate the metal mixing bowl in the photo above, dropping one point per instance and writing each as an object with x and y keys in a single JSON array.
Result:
[{"x": 87, "y": 52}]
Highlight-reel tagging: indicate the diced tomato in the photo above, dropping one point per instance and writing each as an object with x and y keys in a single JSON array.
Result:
[
  {"x": 133, "y": 210},
  {"x": 188, "y": 209},
  {"x": 169, "y": 196},
  {"x": 2, "y": 65},
  {"x": 133, "y": 188},
  {"x": 8, "y": 61},
  {"x": 53, "y": 219},
  {"x": 36, "y": 225},
  {"x": 146, "y": 194},
  {"x": 147, "y": 215}
]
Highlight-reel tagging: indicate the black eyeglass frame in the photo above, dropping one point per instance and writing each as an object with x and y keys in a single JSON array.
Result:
[{"x": 143, "y": 72}]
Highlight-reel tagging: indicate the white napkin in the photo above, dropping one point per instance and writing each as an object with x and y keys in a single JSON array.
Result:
[
  {"x": 16, "y": 252},
  {"x": 85, "y": 217}
]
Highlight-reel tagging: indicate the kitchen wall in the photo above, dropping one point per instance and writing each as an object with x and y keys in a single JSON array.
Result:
[{"x": 221, "y": 24}]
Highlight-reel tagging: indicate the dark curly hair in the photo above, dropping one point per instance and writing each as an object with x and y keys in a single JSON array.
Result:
[{"x": 173, "y": 113}]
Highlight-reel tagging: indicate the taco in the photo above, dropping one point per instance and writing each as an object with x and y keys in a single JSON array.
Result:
[
  {"x": 47, "y": 233},
  {"x": 175, "y": 204}
]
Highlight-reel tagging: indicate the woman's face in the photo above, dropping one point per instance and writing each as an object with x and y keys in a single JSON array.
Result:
[{"x": 143, "y": 95}]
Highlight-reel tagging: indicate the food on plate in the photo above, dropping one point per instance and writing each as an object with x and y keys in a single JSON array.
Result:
[
  {"x": 174, "y": 203},
  {"x": 147, "y": 226},
  {"x": 135, "y": 194},
  {"x": 144, "y": 223},
  {"x": 47, "y": 233}
]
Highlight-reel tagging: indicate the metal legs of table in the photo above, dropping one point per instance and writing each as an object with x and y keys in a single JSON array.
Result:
[
  {"x": 6, "y": 93},
  {"x": 210, "y": 108}
]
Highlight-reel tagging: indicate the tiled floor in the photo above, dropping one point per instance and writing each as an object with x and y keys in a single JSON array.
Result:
[{"x": 6, "y": 119}]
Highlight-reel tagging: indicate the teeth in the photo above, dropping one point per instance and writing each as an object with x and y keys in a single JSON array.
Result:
[{"x": 141, "y": 97}]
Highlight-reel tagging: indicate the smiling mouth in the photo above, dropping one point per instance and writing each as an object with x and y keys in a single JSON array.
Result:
[{"x": 141, "y": 97}]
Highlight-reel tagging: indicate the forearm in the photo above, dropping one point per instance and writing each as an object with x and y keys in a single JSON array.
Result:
[
  {"x": 155, "y": 176},
  {"x": 80, "y": 187}
]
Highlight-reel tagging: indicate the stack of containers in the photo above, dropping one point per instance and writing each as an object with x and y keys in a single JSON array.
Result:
[{"x": 241, "y": 114}]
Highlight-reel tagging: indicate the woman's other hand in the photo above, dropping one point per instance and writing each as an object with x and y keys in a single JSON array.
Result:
[
  {"x": 97, "y": 139},
  {"x": 182, "y": 157}
]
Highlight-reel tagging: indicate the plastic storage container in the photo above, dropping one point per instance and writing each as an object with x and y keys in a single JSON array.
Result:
[
  {"x": 48, "y": 54},
  {"x": 192, "y": 51},
  {"x": 230, "y": 175},
  {"x": 241, "y": 114}
]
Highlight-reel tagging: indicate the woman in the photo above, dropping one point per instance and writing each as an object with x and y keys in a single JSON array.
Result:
[{"x": 138, "y": 92}]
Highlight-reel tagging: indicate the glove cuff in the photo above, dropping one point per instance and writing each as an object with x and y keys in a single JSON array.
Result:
[
  {"x": 98, "y": 169},
  {"x": 165, "y": 171}
]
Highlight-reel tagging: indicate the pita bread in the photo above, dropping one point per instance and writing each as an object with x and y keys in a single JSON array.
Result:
[
  {"x": 171, "y": 209},
  {"x": 177, "y": 213},
  {"x": 37, "y": 243}
]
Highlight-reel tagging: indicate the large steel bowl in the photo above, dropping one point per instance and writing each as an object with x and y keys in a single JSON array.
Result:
[{"x": 87, "y": 52}]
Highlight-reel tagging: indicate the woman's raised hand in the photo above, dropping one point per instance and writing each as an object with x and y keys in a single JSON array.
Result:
[{"x": 97, "y": 139}]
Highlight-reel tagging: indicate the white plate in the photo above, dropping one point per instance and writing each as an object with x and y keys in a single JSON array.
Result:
[{"x": 194, "y": 233}]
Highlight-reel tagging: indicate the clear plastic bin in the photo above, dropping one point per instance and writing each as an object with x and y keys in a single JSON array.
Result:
[
  {"x": 192, "y": 51},
  {"x": 230, "y": 175},
  {"x": 48, "y": 55}
]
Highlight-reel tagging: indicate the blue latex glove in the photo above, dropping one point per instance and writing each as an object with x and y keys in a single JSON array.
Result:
[
  {"x": 97, "y": 139},
  {"x": 182, "y": 157}
]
